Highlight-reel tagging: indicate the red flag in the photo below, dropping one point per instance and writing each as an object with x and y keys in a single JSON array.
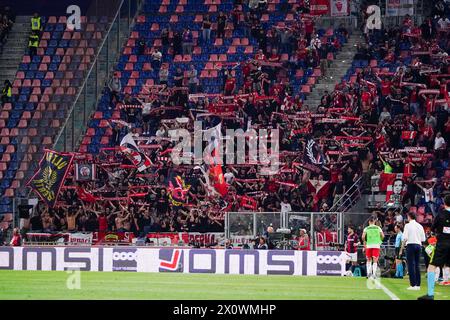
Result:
[
  {"x": 218, "y": 181},
  {"x": 84, "y": 195}
]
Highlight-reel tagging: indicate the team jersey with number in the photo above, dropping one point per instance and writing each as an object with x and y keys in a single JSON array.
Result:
[{"x": 373, "y": 236}]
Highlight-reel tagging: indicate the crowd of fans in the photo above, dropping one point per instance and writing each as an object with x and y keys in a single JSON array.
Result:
[{"x": 390, "y": 118}]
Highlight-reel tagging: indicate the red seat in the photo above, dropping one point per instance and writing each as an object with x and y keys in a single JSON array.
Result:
[
  {"x": 36, "y": 91},
  {"x": 7, "y": 107},
  {"x": 198, "y": 18},
  {"x": 83, "y": 148},
  {"x": 34, "y": 98},
  {"x": 14, "y": 132},
  {"x": 140, "y": 19},
  {"x": 32, "y": 132},
  {"x": 22, "y": 124},
  {"x": 19, "y": 175},
  {"x": 47, "y": 141},
  {"x": 6, "y": 157},
  {"x": 23, "y": 166},
  {"x": 154, "y": 27},
  {"x": 86, "y": 140},
  {"x": 43, "y": 44},
  {"x": 4, "y": 115},
  {"x": 197, "y": 51},
  {"x": 25, "y": 140},
  {"x": 10, "y": 149},
  {"x": 90, "y": 132},
  {"x": 231, "y": 50},
  {"x": 26, "y": 115},
  {"x": 104, "y": 140},
  {"x": 98, "y": 115},
  {"x": 248, "y": 50},
  {"x": 48, "y": 90},
  {"x": 37, "y": 115},
  {"x": 55, "y": 123}
]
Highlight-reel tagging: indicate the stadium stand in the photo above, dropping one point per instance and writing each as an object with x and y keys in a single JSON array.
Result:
[{"x": 377, "y": 124}]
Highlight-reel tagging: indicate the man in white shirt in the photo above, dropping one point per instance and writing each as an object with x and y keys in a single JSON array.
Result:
[
  {"x": 439, "y": 141},
  {"x": 443, "y": 23},
  {"x": 413, "y": 236},
  {"x": 285, "y": 206},
  {"x": 229, "y": 176}
]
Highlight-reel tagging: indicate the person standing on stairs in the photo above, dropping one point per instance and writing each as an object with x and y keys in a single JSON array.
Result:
[
  {"x": 6, "y": 92},
  {"x": 33, "y": 44},
  {"x": 36, "y": 24}
]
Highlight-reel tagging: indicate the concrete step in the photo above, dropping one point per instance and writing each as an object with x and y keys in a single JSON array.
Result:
[
  {"x": 14, "y": 48},
  {"x": 335, "y": 71}
]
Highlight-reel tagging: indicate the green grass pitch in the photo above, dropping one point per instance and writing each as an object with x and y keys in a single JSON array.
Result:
[{"x": 131, "y": 285}]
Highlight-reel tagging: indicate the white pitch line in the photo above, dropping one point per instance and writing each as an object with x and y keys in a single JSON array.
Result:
[{"x": 386, "y": 290}]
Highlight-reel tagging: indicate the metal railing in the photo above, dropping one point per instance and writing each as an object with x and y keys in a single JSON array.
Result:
[
  {"x": 349, "y": 198},
  {"x": 87, "y": 97}
]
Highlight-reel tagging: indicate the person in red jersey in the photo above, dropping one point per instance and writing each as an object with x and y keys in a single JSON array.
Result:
[
  {"x": 16, "y": 240},
  {"x": 303, "y": 241},
  {"x": 230, "y": 85}
]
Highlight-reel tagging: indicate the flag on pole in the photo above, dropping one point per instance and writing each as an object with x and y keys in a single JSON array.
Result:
[
  {"x": 49, "y": 178},
  {"x": 212, "y": 160}
]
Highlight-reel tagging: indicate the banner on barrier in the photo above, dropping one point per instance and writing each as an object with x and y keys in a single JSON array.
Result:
[
  {"x": 174, "y": 238},
  {"x": 214, "y": 261},
  {"x": 319, "y": 7},
  {"x": 80, "y": 238}
]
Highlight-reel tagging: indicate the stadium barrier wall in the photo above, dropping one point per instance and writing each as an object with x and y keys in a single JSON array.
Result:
[{"x": 213, "y": 261}]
